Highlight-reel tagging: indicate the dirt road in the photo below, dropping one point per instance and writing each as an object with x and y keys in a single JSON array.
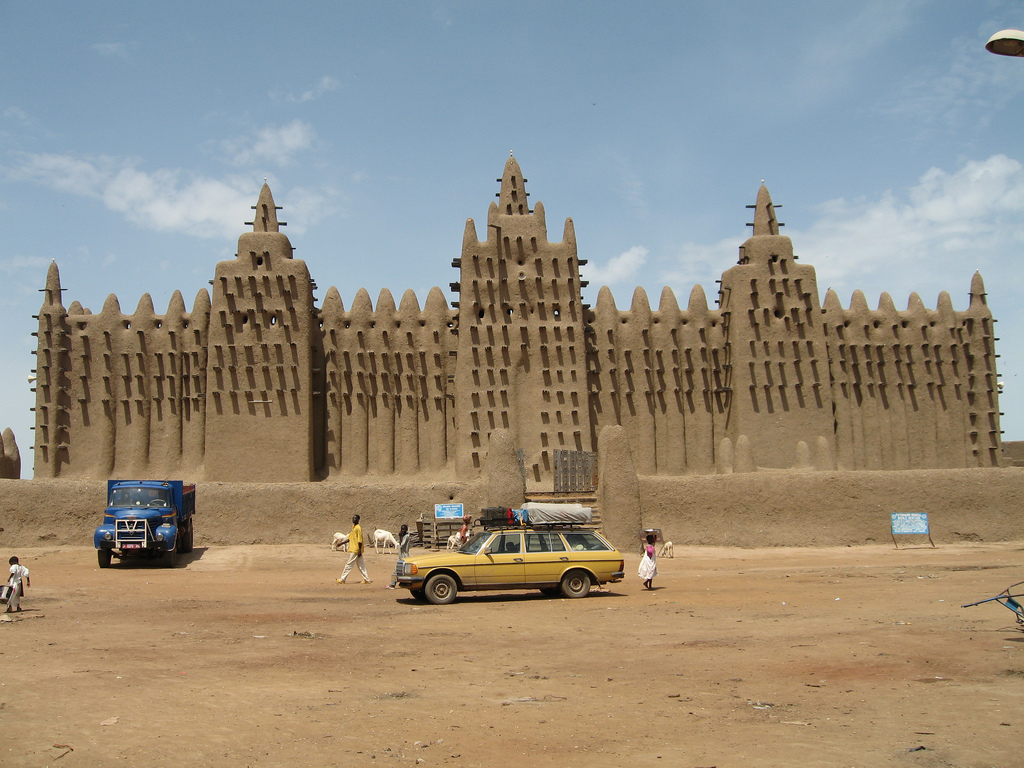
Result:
[{"x": 254, "y": 656}]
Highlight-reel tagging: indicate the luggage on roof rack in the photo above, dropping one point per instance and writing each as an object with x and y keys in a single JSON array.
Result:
[
  {"x": 494, "y": 517},
  {"x": 554, "y": 514},
  {"x": 536, "y": 513}
]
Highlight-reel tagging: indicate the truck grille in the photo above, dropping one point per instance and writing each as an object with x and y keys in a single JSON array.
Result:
[{"x": 129, "y": 532}]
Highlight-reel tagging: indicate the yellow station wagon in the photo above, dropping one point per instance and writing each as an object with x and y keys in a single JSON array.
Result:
[{"x": 557, "y": 561}]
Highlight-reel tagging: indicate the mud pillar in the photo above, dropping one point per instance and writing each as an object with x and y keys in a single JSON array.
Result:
[
  {"x": 618, "y": 489},
  {"x": 10, "y": 457},
  {"x": 505, "y": 484}
]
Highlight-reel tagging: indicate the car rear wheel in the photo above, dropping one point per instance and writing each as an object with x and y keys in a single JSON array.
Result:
[
  {"x": 576, "y": 584},
  {"x": 441, "y": 589}
]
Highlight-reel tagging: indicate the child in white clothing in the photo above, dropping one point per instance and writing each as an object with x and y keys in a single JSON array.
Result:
[{"x": 18, "y": 581}]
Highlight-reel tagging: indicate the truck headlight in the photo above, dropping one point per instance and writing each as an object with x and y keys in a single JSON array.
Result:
[
  {"x": 108, "y": 536},
  {"x": 159, "y": 537}
]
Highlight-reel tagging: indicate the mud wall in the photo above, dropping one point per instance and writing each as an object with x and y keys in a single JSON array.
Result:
[{"x": 745, "y": 510}]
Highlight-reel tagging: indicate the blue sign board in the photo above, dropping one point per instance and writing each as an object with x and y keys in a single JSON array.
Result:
[
  {"x": 910, "y": 522},
  {"x": 447, "y": 511}
]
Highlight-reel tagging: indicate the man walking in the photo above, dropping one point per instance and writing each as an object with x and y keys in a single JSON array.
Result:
[{"x": 355, "y": 552}]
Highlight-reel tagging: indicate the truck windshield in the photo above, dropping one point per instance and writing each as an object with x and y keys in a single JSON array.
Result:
[{"x": 139, "y": 497}]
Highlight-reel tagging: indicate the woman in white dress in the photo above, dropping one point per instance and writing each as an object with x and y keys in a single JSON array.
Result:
[{"x": 648, "y": 567}]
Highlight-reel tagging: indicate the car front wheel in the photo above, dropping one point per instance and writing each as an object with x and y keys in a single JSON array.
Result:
[
  {"x": 441, "y": 589},
  {"x": 576, "y": 584}
]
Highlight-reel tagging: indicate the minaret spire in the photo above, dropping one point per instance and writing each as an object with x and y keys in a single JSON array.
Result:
[
  {"x": 265, "y": 219},
  {"x": 765, "y": 222},
  {"x": 512, "y": 197}
]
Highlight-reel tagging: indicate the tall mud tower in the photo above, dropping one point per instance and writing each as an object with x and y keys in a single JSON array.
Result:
[
  {"x": 777, "y": 368},
  {"x": 262, "y": 345},
  {"x": 521, "y": 362}
]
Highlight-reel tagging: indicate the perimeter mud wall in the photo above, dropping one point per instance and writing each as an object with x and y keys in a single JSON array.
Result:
[{"x": 755, "y": 509}]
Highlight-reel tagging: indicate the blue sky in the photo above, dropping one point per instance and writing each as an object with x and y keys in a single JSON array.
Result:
[{"x": 134, "y": 138}]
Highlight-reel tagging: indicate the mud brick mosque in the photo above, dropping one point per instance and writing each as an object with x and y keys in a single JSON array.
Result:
[{"x": 258, "y": 383}]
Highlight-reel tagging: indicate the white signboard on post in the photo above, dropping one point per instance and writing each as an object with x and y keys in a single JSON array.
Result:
[
  {"x": 908, "y": 523},
  {"x": 447, "y": 511}
]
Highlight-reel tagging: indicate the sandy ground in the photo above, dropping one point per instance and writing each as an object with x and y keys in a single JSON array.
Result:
[{"x": 253, "y": 656}]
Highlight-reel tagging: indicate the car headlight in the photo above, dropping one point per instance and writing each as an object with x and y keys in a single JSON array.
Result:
[{"x": 410, "y": 569}]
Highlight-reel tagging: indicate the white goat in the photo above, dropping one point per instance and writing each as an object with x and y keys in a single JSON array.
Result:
[
  {"x": 667, "y": 550},
  {"x": 384, "y": 539},
  {"x": 454, "y": 541},
  {"x": 339, "y": 541}
]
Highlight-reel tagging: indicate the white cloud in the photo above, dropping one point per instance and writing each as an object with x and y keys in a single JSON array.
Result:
[
  {"x": 163, "y": 200},
  {"x": 18, "y": 263},
  {"x": 949, "y": 223},
  {"x": 619, "y": 269},
  {"x": 166, "y": 200},
  {"x": 276, "y": 145},
  {"x": 695, "y": 264},
  {"x": 963, "y": 97},
  {"x": 306, "y": 207},
  {"x": 324, "y": 85}
]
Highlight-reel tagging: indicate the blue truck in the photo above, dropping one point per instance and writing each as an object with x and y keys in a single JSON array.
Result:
[{"x": 146, "y": 519}]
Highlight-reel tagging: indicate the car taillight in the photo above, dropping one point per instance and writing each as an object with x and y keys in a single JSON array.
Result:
[{"x": 622, "y": 565}]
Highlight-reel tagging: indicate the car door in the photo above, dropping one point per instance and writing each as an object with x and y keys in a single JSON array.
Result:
[
  {"x": 546, "y": 558},
  {"x": 502, "y": 561}
]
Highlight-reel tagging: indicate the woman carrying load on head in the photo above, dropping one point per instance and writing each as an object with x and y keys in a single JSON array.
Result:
[{"x": 648, "y": 567}]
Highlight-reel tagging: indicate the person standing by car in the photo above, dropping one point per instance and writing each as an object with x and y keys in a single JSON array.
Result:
[
  {"x": 464, "y": 530},
  {"x": 648, "y": 567},
  {"x": 355, "y": 552},
  {"x": 404, "y": 541},
  {"x": 17, "y": 582}
]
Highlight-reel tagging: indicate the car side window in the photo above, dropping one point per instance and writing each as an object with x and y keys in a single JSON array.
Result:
[
  {"x": 507, "y": 544},
  {"x": 584, "y": 542},
  {"x": 537, "y": 542},
  {"x": 544, "y": 542}
]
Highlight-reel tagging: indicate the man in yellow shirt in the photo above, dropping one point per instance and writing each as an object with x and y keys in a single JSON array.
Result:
[{"x": 355, "y": 552}]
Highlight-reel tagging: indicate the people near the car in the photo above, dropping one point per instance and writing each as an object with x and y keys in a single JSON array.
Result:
[
  {"x": 404, "y": 542},
  {"x": 648, "y": 567},
  {"x": 464, "y": 530},
  {"x": 355, "y": 552}
]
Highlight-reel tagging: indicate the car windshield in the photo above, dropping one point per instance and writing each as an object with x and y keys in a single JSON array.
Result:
[
  {"x": 476, "y": 543},
  {"x": 139, "y": 497}
]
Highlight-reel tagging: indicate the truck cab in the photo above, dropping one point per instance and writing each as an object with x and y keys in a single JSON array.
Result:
[{"x": 146, "y": 519}]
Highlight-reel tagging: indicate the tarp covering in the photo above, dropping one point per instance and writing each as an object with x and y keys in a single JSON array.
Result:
[{"x": 544, "y": 514}]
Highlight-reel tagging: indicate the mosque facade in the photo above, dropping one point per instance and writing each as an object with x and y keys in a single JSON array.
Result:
[{"x": 257, "y": 382}]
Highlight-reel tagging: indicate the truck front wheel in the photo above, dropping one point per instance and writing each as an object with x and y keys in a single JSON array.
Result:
[
  {"x": 103, "y": 556},
  {"x": 170, "y": 558}
]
